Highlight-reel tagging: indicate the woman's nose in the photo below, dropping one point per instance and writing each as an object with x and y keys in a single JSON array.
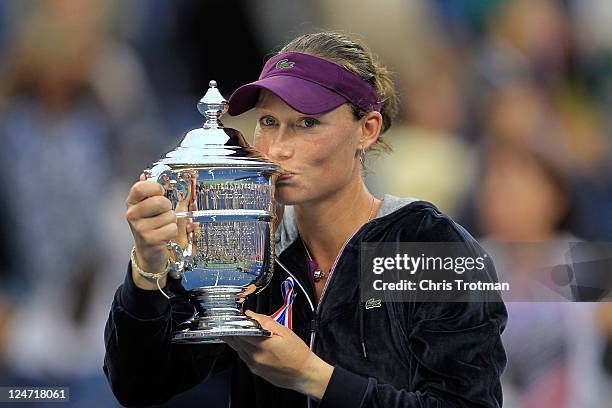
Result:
[{"x": 281, "y": 147}]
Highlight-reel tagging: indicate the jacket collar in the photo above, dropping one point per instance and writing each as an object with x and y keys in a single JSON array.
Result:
[{"x": 287, "y": 231}]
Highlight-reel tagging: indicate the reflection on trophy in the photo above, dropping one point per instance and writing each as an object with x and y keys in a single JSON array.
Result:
[{"x": 223, "y": 193}]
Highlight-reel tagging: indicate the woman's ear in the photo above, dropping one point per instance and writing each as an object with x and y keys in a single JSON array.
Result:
[{"x": 370, "y": 129}]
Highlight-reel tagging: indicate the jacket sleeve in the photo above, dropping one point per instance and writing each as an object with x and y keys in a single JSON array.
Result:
[
  {"x": 457, "y": 352},
  {"x": 141, "y": 364}
]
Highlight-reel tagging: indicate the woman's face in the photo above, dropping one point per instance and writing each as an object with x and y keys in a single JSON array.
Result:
[{"x": 317, "y": 153}]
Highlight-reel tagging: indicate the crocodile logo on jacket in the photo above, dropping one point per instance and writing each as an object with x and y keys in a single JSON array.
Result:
[{"x": 372, "y": 303}]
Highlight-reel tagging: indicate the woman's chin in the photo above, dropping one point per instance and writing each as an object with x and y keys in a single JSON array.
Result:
[{"x": 288, "y": 196}]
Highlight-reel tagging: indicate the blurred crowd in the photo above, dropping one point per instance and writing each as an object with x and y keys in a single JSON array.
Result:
[{"x": 504, "y": 126}]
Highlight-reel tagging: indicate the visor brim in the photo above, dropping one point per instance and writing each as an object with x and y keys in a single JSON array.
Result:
[{"x": 300, "y": 94}]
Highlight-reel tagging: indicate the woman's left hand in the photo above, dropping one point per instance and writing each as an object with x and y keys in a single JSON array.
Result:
[{"x": 282, "y": 359}]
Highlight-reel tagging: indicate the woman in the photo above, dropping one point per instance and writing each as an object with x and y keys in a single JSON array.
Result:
[{"x": 322, "y": 102}]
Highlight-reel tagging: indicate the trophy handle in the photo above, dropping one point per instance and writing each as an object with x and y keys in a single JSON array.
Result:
[
  {"x": 183, "y": 259},
  {"x": 180, "y": 190}
]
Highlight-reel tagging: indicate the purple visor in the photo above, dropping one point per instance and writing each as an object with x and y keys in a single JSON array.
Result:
[{"x": 308, "y": 84}]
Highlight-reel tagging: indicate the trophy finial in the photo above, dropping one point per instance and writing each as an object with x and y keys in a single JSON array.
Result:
[{"x": 212, "y": 106}]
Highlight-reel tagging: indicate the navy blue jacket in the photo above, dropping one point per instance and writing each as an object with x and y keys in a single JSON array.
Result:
[{"x": 409, "y": 354}]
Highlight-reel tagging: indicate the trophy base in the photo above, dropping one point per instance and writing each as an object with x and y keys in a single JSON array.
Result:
[
  {"x": 212, "y": 336},
  {"x": 220, "y": 315}
]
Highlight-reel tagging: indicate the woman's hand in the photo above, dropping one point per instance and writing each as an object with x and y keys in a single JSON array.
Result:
[
  {"x": 283, "y": 359},
  {"x": 153, "y": 224}
]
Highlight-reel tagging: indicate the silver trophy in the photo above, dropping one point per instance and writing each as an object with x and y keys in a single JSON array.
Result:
[{"x": 223, "y": 193}]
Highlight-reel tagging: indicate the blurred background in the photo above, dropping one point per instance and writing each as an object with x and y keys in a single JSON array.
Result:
[{"x": 505, "y": 125}]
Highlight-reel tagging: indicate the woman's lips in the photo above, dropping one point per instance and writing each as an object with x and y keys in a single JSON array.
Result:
[{"x": 285, "y": 176}]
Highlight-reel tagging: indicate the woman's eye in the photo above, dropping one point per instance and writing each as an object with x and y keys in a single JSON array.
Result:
[
  {"x": 267, "y": 121},
  {"x": 308, "y": 122}
]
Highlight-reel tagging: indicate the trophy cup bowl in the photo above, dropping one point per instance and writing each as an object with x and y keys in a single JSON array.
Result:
[{"x": 222, "y": 191}]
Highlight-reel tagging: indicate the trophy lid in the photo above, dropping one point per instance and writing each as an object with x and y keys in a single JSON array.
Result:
[{"x": 214, "y": 145}]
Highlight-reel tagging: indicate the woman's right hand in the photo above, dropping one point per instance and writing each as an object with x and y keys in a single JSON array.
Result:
[{"x": 153, "y": 224}]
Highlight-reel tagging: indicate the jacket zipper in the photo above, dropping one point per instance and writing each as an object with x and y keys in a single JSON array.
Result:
[
  {"x": 331, "y": 272},
  {"x": 315, "y": 323}
]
